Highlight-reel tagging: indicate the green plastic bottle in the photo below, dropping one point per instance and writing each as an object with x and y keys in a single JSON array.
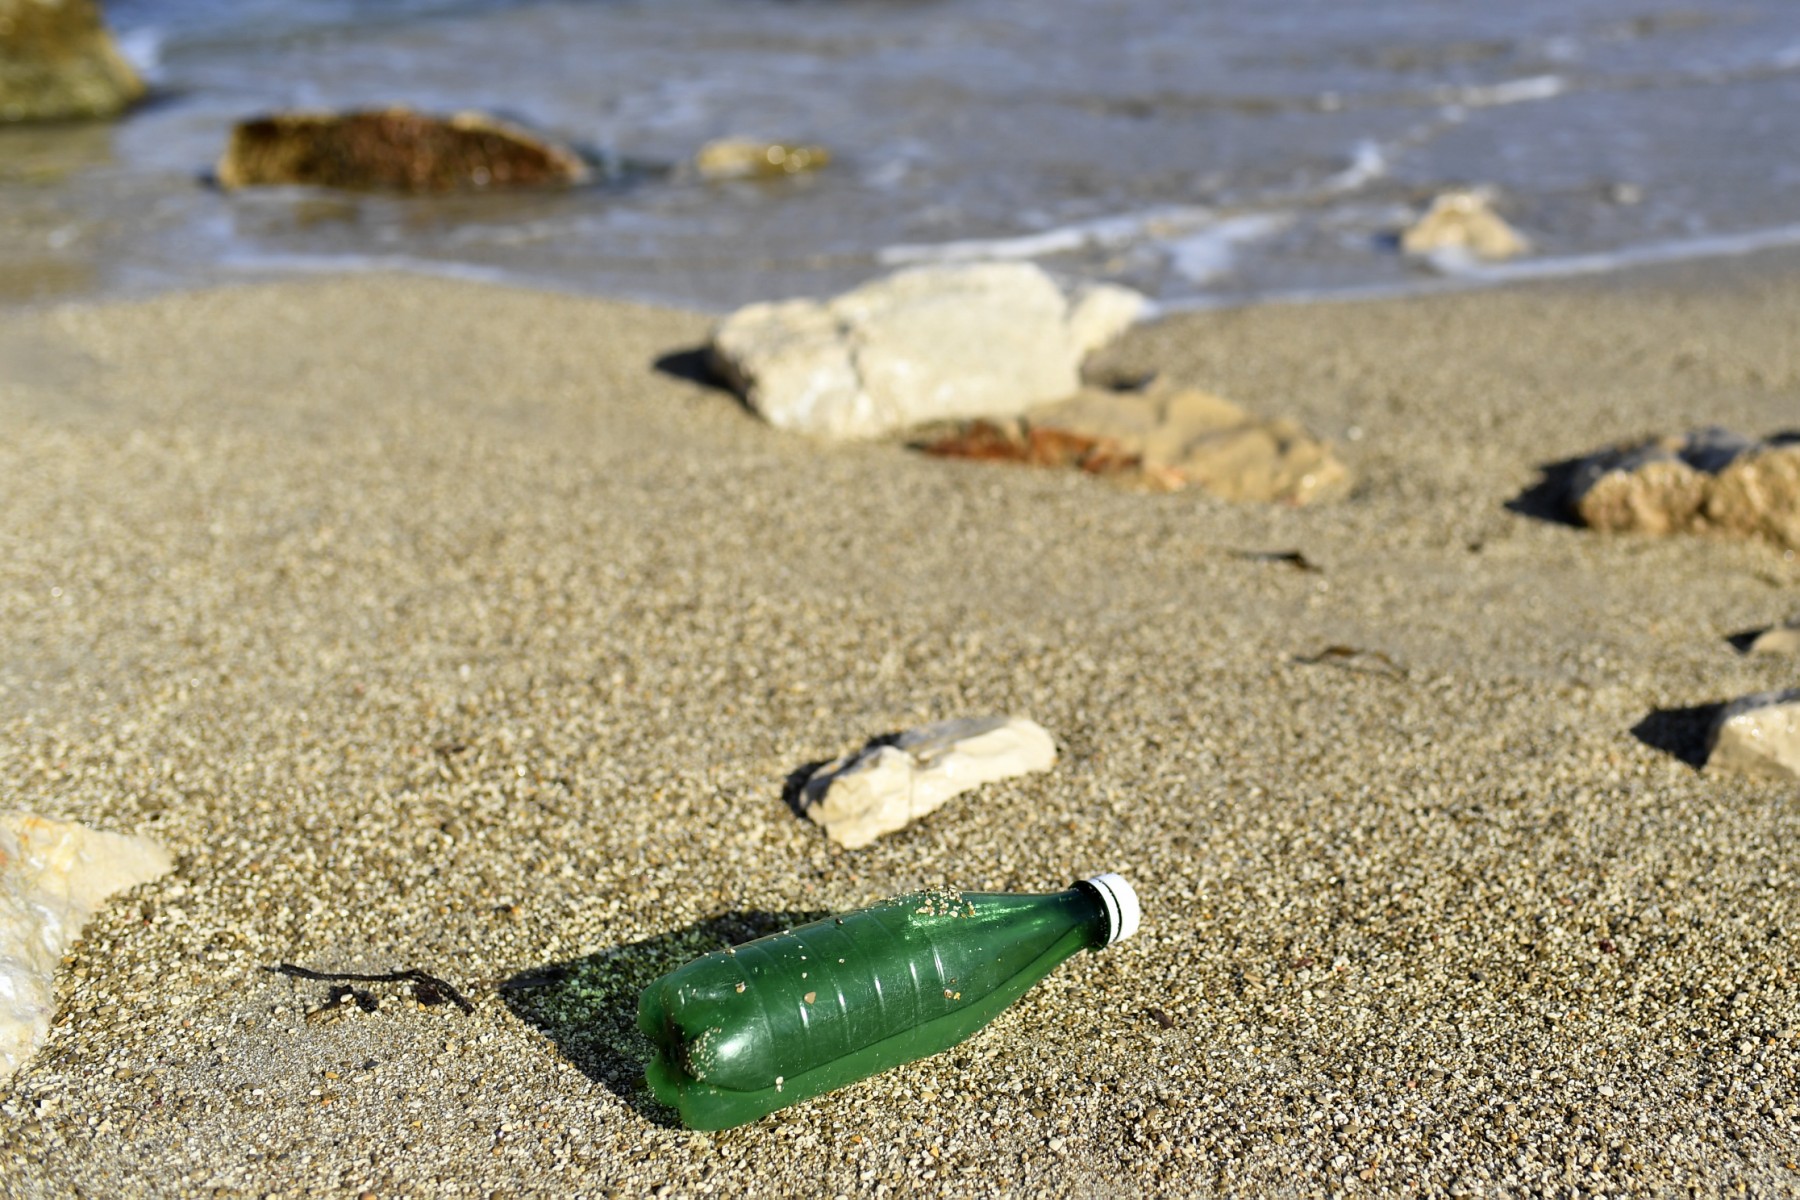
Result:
[{"x": 742, "y": 1032}]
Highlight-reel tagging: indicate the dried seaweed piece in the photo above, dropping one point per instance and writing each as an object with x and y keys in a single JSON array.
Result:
[
  {"x": 1035, "y": 446},
  {"x": 1293, "y": 558},
  {"x": 428, "y": 990},
  {"x": 1351, "y": 658}
]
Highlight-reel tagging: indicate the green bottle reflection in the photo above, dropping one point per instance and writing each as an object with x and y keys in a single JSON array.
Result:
[{"x": 742, "y": 1032}]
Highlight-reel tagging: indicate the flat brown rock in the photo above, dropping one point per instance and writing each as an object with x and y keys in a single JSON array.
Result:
[
  {"x": 1166, "y": 439},
  {"x": 58, "y": 62},
  {"x": 1707, "y": 481},
  {"x": 393, "y": 149}
]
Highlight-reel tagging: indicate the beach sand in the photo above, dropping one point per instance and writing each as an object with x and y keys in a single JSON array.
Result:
[{"x": 434, "y": 626}]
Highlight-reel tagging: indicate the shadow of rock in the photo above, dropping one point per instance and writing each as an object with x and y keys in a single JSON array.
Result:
[
  {"x": 588, "y": 1005},
  {"x": 1548, "y": 498},
  {"x": 692, "y": 366},
  {"x": 1679, "y": 731},
  {"x": 1742, "y": 641},
  {"x": 793, "y": 788}
]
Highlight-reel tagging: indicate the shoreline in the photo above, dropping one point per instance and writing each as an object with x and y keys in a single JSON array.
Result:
[
  {"x": 431, "y": 625},
  {"x": 23, "y": 291}
]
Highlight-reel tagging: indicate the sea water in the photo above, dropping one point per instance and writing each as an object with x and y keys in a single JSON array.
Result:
[{"x": 1204, "y": 151}]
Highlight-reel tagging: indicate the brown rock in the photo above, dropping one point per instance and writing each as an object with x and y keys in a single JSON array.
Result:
[
  {"x": 58, "y": 62},
  {"x": 1166, "y": 439},
  {"x": 393, "y": 149},
  {"x": 1708, "y": 481}
]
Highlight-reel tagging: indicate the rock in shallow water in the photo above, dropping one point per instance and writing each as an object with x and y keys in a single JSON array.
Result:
[
  {"x": 1708, "y": 480},
  {"x": 53, "y": 876},
  {"x": 393, "y": 149},
  {"x": 927, "y": 344},
  {"x": 1165, "y": 438},
  {"x": 58, "y": 63},
  {"x": 1759, "y": 736},
  {"x": 741, "y": 158},
  {"x": 888, "y": 786},
  {"x": 1462, "y": 225}
]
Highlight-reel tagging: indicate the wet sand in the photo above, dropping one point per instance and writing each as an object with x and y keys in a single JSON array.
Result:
[{"x": 432, "y": 626}]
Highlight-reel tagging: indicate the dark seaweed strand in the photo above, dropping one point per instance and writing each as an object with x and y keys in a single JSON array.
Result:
[{"x": 429, "y": 989}]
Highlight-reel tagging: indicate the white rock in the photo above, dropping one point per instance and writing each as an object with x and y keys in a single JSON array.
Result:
[
  {"x": 886, "y": 787},
  {"x": 1100, "y": 312},
  {"x": 1758, "y": 735},
  {"x": 926, "y": 344},
  {"x": 53, "y": 876}
]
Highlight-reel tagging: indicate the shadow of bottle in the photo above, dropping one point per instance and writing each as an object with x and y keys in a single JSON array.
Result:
[{"x": 588, "y": 1006}]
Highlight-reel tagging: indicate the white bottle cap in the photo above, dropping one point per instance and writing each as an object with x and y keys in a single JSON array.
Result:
[{"x": 1122, "y": 911}]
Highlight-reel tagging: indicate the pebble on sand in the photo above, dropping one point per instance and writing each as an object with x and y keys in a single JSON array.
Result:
[
  {"x": 1781, "y": 639},
  {"x": 892, "y": 783},
  {"x": 1709, "y": 480},
  {"x": 54, "y": 875},
  {"x": 1166, "y": 439},
  {"x": 744, "y": 158},
  {"x": 59, "y": 63},
  {"x": 1463, "y": 224},
  {"x": 928, "y": 344},
  {"x": 1757, "y": 735},
  {"x": 393, "y": 149}
]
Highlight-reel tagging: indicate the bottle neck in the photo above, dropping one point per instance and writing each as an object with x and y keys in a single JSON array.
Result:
[
  {"x": 1119, "y": 901},
  {"x": 1075, "y": 919}
]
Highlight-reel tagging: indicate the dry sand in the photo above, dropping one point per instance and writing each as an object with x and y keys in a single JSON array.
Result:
[{"x": 431, "y": 626}]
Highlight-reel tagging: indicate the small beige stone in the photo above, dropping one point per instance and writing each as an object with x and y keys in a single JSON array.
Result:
[
  {"x": 1781, "y": 640},
  {"x": 1658, "y": 497},
  {"x": 1759, "y": 736},
  {"x": 1463, "y": 223},
  {"x": 1167, "y": 438},
  {"x": 1759, "y": 494},
  {"x": 887, "y": 787},
  {"x": 53, "y": 876},
  {"x": 744, "y": 158}
]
